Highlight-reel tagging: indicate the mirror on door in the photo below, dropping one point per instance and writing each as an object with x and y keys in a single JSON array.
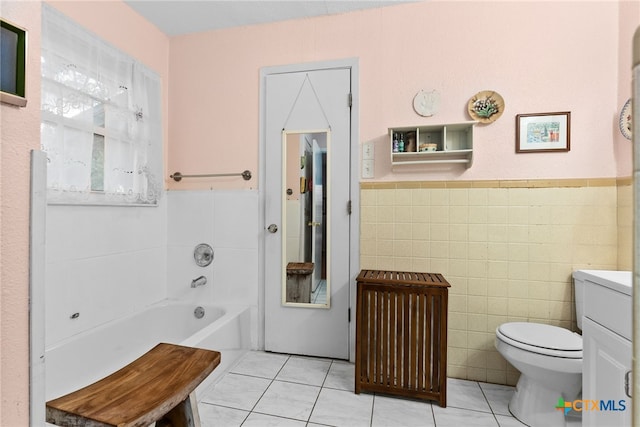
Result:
[{"x": 305, "y": 220}]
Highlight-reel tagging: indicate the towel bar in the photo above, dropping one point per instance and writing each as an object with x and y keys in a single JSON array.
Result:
[{"x": 177, "y": 176}]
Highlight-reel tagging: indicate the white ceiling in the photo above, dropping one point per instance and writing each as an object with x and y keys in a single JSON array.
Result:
[{"x": 175, "y": 17}]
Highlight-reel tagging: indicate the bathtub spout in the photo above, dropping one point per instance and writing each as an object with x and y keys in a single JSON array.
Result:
[{"x": 200, "y": 281}]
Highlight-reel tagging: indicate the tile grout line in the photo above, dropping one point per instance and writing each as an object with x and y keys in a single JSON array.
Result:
[
  {"x": 433, "y": 414},
  {"x": 318, "y": 396},
  {"x": 323, "y": 385},
  {"x": 265, "y": 390},
  {"x": 373, "y": 405},
  {"x": 489, "y": 405}
]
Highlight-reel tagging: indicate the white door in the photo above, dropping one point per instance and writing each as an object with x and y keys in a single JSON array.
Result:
[{"x": 311, "y": 105}]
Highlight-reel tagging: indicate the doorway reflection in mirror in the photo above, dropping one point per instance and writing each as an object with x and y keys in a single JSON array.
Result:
[{"x": 306, "y": 197}]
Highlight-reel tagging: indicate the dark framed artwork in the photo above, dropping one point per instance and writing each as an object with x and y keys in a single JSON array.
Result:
[
  {"x": 13, "y": 63},
  {"x": 543, "y": 132}
]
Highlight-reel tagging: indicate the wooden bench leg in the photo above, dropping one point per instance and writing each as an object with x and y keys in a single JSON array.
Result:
[{"x": 185, "y": 414}]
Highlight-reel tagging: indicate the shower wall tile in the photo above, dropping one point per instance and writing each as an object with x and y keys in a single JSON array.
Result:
[
  {"x": 236, "y": 219},
  {"x": 103, "y": 262},
  {"x": 507, "y": 249},
  {"x": 84, "y": 293},
  {"x": 182, "y": 269},
  {"x": 228, "y": 221},
  {"x": 75, "y": 232},
  {"x": 150, "y": 280},
  {"x": 236, "y": 276},
  {"x": 190, "y": 216}
]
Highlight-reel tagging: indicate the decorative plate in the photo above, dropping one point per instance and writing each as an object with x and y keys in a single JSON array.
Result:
[
  {"x": 426, "y": 103},
  {"x": 486, "y": 106},
  {"x": 625, "y": 119}
]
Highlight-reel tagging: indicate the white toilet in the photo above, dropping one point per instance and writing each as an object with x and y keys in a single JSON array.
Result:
[{"x": 549, "y": 359}]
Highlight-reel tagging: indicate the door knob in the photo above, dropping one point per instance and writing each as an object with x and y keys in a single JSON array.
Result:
[{"x": 272, "y": 228}]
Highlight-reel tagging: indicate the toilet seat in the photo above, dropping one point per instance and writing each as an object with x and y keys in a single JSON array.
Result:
[{"x": 542, "y": 339}]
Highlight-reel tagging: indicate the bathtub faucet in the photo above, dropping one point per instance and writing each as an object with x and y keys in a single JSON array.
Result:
[{"x": 200, "y": 281}]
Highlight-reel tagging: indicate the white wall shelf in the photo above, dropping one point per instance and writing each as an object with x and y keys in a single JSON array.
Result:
[{"x": 453, "y": 144}]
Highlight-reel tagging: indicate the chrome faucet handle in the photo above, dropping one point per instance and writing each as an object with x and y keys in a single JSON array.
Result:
[{"x": 203, "y": 254}]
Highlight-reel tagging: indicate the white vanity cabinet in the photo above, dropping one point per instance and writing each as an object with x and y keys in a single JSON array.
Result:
[
  {"x": 606, "y": 360},
  {"x": 607, "y": 350}
]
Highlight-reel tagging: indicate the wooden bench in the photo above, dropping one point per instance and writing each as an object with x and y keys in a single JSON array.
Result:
[{"x": 157, "y": 387}]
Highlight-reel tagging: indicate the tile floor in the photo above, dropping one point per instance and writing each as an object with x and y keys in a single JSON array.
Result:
[{"x": 268, "y": 389}]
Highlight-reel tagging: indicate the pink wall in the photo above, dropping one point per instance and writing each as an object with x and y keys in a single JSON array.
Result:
[
  {"x": 541, "y": 57},
  {"x": 629, "y": 19},
  {"x": 20, "y": 132}
]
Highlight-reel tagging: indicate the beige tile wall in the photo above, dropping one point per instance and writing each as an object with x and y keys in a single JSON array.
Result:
[
  {"x": 507, "y": 248},
  {"x": 625, "y": 224}
]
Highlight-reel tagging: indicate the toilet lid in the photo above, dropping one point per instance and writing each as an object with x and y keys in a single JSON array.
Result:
[{"x": 542, "y": 336}]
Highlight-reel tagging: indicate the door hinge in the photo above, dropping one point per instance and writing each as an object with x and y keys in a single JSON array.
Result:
[
  {"x": 350, "y": 99},
  {"x": 349, "y": 207},
  {"x": 349, "y": 314}
]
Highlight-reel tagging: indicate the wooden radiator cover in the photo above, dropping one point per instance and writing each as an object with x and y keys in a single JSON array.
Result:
[{"x": 401, "y": 334}]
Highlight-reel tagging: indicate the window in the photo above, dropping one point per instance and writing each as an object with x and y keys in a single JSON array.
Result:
[{"x": 101, "y": 119}]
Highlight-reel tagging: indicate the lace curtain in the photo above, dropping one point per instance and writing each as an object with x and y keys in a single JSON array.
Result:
[{"x": 101, "y": 119}]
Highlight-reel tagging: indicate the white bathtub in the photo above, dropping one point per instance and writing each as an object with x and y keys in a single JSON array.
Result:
[{"x": 89, "y": 356}]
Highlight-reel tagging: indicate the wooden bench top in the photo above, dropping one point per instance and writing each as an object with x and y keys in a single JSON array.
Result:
[{"x": 141, "y": 392}]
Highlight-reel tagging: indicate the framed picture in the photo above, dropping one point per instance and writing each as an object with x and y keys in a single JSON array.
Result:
[
  {"x": 13, "y": 63},
  {"x": 543, "y": 132}
]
